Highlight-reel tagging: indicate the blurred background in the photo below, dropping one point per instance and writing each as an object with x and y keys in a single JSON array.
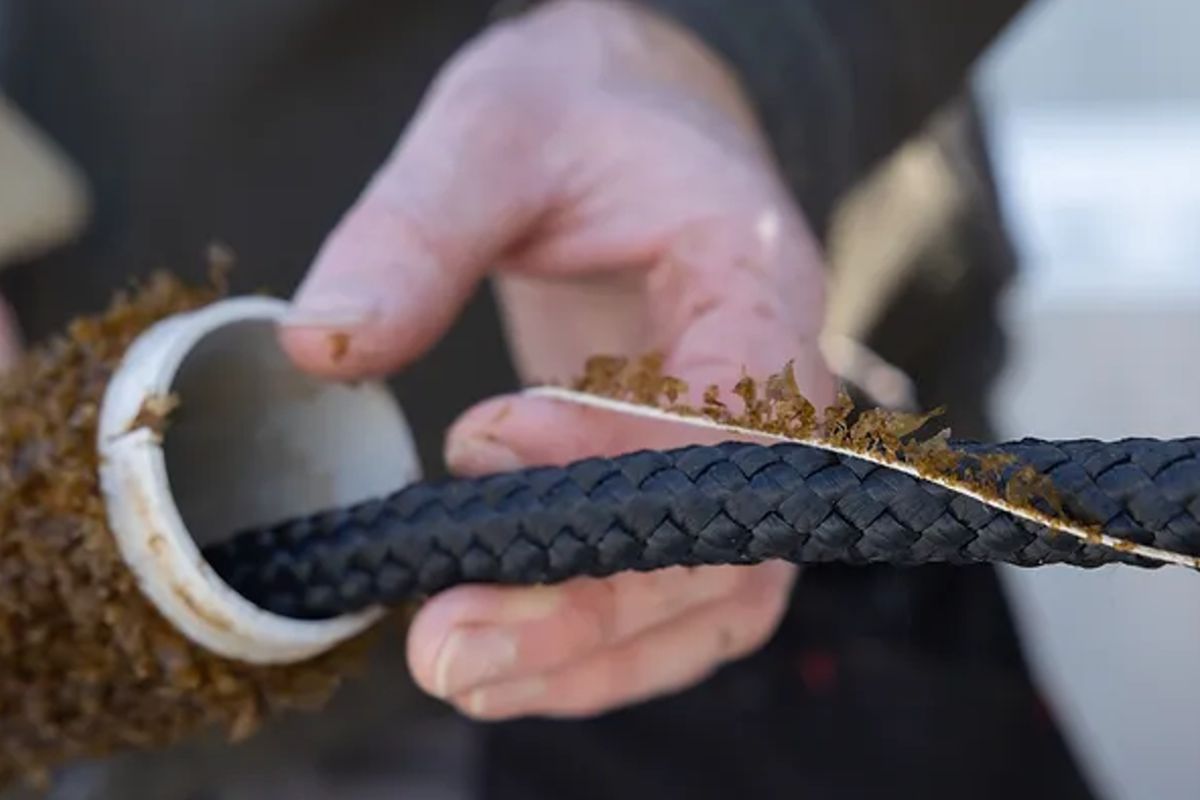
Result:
[
  {"x": 1093, "y": 111},
  {"x": 1093, "y": 107}
]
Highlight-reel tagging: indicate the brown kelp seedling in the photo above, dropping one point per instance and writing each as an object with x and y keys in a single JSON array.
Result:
[
  {"x": 87, "y": 665},
  {"x": 774, "y": 408}
]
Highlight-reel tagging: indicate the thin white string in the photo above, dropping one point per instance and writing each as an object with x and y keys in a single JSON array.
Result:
[{"x": 1031, "y": 515}]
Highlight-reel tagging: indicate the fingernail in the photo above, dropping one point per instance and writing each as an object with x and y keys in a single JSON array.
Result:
[
  {"x": 332, "y": 316},
  {"x": 479, "y": 454},
  {"x": 505, "y": 698},
  {"x": 470, "y": 658}
]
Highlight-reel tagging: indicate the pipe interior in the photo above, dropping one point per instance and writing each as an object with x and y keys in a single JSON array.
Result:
[{"x": 254, "y": 440}]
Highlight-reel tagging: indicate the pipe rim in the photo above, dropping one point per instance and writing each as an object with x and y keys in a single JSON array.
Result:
[{"x": 147, "y": 524}]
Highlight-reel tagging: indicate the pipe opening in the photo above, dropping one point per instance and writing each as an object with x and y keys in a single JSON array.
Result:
[
  {"x": 255, "y": 441},
  {"x": 252, "y": 441}
]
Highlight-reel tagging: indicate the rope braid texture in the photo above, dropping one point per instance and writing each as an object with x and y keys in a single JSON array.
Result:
[
  {"x": 730, "y": 504},
  {"x": 1084, "y": 503}
]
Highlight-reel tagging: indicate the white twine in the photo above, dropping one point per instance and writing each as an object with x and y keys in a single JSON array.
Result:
[{"x": 1031, "y": 515}]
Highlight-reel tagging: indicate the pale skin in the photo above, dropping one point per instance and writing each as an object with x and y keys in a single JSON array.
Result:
[{"x": 602, "y": 168}]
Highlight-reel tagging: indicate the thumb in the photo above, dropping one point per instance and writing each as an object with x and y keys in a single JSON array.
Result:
[{"x": 397, "y": 270}]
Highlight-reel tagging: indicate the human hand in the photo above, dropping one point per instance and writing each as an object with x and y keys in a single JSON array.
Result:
[{"x": 603, "y": 168}]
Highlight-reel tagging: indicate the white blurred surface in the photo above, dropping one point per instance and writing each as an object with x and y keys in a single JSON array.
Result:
[
  {"x": 1106, "y": 203},
  {"x": 1099, "y": 52},
  {"x": 1094, "y": 110}
]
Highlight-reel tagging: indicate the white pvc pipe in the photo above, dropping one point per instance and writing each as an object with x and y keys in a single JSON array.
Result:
[{"x": 253, "y": 440}]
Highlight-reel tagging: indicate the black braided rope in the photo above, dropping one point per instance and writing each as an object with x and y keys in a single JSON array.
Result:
[{"x": 730, "y": 504}]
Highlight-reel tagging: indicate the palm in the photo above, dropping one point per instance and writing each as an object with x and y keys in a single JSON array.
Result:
[{"x": 661, "y": 235}]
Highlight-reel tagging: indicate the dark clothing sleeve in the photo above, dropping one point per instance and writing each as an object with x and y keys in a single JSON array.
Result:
[{"x": 838, "y": 84}]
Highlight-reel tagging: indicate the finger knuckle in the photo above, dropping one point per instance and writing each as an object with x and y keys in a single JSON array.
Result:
[
  {"x": 726, "y": 644},
  {"x": 688, "y": 586},
  {"x": 593, "y": 603},
  {"x": 735, "y": 642},
  {"x": 596, "y": 693},
  {"x": 767, "y": 604},
  {"x": 497, "y": 98},
  {"x": 585, "y": 707},
  {"x": 675, "y": 591},
  {"x": 468, "y": 708},
  {"x": 757, "y": 616}
]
